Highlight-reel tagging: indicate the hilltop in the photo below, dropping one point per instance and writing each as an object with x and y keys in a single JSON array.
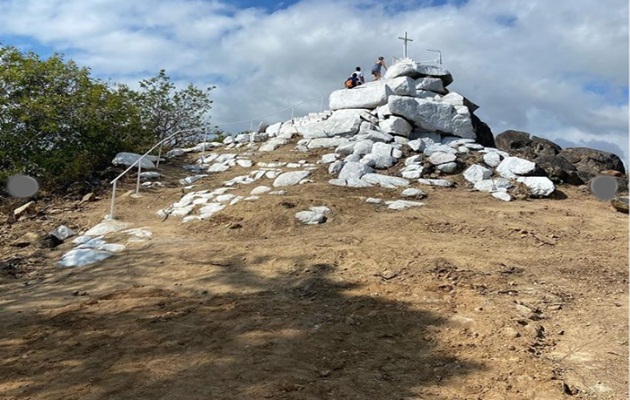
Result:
[{"x": 460, "y": 296}]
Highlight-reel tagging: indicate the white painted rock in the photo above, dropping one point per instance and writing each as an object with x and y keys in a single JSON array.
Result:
[
  {"x": 512, "y": 167},
  {"x": 432, "y": 84},
  {"x": 373, "y": 200},
  {"x": 106, "y": 227},
  {"x": 329, "y": 158},
  {"x": 62, "y": 232},
  {"x": 310, "y": 217},
  {"x": 476, "y": 173},
  {"x": 447, "y": 168},
  {"x": 340, "y": 123},
  {"x": 401, "y": 86},
  {"x": 354, "y": 170},
  {"x": 502, "y": 196},
  {"x": 244, "y": 163},
  {"x": 128, "y": 159},
  {"x": 182, "y": 211},
  {"x": 438, "y": 148},
  {"x": 492, "y": 159},
  {"x": 493, "y": 185},
  {"x": 432, "y": 115},
  {"x": 402, "y": 204},
  {"x": 81, "y": 257},
  {"x": 436, "y": 182},
  {"x": 414, "y": 192},
  {"x": 375, "y": 136},
  {"x": 175, "y": 153},
  {"x": 260, "y": 190},
  {"x": 273, "y": 144},
  {"x": 363, "y": 147},
  {"x": 150, "y": 175},
  {"x": 538, "y": 185},
  {"x": 440, "y": 157},
  {"x": 290, "y": 178},
  {"x": 364, "y": 96},
  {"x": 112, "y": 247},
  {"x": 385, "y": 181}
]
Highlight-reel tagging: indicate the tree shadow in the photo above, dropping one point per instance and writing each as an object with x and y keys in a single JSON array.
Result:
[{"x": 301, "y": 335}]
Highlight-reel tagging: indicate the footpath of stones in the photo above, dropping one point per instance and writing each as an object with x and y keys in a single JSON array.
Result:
[{"x": 353, "y": 163}]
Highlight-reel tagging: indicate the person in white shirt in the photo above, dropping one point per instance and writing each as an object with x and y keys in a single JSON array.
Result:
[{"x": 359, "y": 75}]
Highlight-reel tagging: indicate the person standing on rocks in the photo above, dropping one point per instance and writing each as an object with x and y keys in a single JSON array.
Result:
[{"x": 376, "y": 69}]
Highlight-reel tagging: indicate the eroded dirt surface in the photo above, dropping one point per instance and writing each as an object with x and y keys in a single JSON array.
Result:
[{"x": 467, "y": 297}]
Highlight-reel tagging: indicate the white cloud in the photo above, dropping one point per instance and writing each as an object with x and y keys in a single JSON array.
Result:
[{"x": 527, "y": 63}]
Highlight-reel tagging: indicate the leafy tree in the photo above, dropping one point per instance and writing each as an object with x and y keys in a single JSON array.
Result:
[
  {"x": 60, "y": 125},
  {"x": 56, "y": 122},
  {"x": 165, "y": 110}
]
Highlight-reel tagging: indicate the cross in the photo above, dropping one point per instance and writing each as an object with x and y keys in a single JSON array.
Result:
[{"x": 405, "y": 40}]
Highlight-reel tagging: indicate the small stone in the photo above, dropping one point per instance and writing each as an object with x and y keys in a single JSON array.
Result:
[
  {"x": 511, "y": 332},
  {"x": 387, "y": 274},
  {"x": 87, "y": 197},
  {"x": 28, "y": 207},
  {"x": 620, "y": 204},
  {"x": 526, "y": 312}
]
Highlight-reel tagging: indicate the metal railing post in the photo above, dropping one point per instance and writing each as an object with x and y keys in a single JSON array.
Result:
[
  {"x": 157, "y": 163},
  {"x": 111, "y": 208},
  {"x": 139, "y": 171}
]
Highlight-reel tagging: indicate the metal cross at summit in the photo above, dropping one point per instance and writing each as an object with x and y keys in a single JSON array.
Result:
[{"x": 405, "y": 45}]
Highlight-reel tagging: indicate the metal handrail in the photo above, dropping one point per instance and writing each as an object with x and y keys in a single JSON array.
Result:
[
  {"x": 138, "y": 162},
  {"x": 291, "y": 107}
]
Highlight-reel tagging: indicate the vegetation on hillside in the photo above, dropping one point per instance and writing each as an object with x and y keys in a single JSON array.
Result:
[{"x": 61, "y": 125}]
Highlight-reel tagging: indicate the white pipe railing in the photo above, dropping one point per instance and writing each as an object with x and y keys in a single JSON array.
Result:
[
  {"x": 138, "y": 162},
  {"x": 292, "y": 108}
]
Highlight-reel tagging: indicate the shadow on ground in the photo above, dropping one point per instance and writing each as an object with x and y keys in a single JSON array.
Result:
[{"x": 301, "y": 335}]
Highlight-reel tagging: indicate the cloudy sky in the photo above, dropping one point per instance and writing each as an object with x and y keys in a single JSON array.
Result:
[{"x": 557, "y": 69}]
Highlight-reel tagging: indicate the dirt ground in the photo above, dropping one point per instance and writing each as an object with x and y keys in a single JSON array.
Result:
[{"x": 467, "y": 297}]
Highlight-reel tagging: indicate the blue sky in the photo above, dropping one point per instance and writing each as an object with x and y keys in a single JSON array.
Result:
[{"x": 556, "y": 69}]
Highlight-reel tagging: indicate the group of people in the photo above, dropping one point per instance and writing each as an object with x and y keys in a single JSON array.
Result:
[{"x": 357, "y": 78}]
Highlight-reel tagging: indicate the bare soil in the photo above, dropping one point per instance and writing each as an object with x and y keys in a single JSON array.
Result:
[{"x": 466, "y": 297}]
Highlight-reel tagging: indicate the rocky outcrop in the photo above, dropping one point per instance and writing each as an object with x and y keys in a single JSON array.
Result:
[
  {"x": 411, "y": 101},
  {"x": 590, "y": 162},
  {"x": 559, "y": 169},
  {"x": 575, "y": 165},
  {"x": 525, "y": 145}
]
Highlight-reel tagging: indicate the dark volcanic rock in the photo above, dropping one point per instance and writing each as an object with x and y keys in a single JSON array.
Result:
[
  {"x": 484, "y": 134},
  {"x": 559, "y": 169},
  {"x": 620, "y": 204},
  {"x": 590, "y": 162},
  {"x": 526, "y": 145}
]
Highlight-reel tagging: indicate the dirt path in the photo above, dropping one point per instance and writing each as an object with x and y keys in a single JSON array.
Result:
[{"x": 464, "y": 298}]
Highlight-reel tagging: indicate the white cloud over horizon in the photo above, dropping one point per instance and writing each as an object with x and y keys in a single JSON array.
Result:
[{"x": 556, "y": 69}]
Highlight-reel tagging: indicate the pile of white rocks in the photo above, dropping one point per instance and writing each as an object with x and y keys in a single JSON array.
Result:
[
  {"x": 92, "y": 246},
  {"x": 404, "y": 129},
  {"x": 410, "y": 111}
]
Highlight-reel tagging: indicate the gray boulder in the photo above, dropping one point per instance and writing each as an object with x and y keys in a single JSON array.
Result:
[
  {"x": 525, "y": 145},
  {"x": 370, "y": 95},
  {"x": 590, "y": 162},
  {"x": 558, "y": 169},
  {"x": 290, "y": 178},
  {"x": 414, "y": 70},
  {"x": 128, "y": 159},
  {"x": 354, "y": 170}
]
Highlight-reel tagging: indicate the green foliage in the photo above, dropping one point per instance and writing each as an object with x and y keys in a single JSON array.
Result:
[
  {"x": 165, "y": 111},
  {"x": 60, "y": 125}
]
